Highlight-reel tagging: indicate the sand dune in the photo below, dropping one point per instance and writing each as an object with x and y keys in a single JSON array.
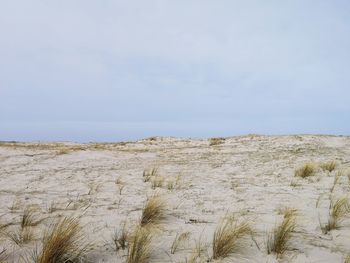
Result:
[{"x": 248, "y": 178}]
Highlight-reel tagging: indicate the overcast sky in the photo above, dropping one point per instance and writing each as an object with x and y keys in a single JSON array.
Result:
[{"x": 86, "y": 70}]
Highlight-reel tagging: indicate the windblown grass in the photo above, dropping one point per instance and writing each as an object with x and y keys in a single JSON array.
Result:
[
  {"x": 338, "y": 211},
  {"x": 62, "y": 243},
  {"x": 29, "y": 218},
  {"x": 227, "y": 236},
  {"x": 277, "y": 240},
  {"x": 153, "y": 212},
  {"x": 140, "y": 247},
  {"x": 308, "y": 169}
]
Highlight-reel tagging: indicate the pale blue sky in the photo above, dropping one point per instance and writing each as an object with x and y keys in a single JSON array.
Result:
[{"x": 107, "y": 70}]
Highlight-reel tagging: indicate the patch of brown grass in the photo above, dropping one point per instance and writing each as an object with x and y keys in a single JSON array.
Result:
[
  {"x": 308, "y": 169},
  {"x": 153, "y": 212},
  {"x": 226, "y": 237},
  {"x": 62, "y": 243}
]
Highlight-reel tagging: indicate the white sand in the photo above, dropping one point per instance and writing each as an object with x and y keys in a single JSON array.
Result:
[{"x": 248, "y": 176}]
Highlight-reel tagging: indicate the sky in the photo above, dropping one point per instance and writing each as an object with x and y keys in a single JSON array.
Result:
[{"x": 83, "y": 70}]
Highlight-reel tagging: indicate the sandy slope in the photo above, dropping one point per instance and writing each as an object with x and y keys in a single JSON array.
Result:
[{"x": 251, "y": 177}]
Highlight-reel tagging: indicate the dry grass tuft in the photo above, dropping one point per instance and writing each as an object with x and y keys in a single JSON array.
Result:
[
  {"x": 153, "y": 212},
  {"x": 278, "y": 239},
  {"x": 20, "y": 236},
  {"x": 62, "y": 243},
  {"x": 338, "y": 211},
  {"x": 216, "y": 141},
  {"x": 157, "y": 181},
  {"x": 226, "y": 237},
  {"x": 308, "y": 169},
  {"x": 28, "y": 218},
  {"x": 149, "y": 173},
  {"x": 329, "y": 166},
  {"x": 179, "y": 239},
  {"x": 120, "y": 238},
  {"x": 347, "y": 259},
  {"x": 140, "y": 249}
]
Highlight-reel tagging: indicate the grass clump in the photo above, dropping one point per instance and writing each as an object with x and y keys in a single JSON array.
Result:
[
  {"x": 157, "y": 181},
  {"x": 338, "y": 211},
  {"x": 308, "y": 169},
  {"x": 20, "y": 236},
  {"x": 120, "y": 238},
  {"x": 153, "y": 212},
  {"x": 179, "y": 239},
  {"x": 140, "y": 249},
  {"x": 278, "y": 238},
  {"x": 148, "y": 174},
  {"x": 328, "y": 166},
  {"x": 62, "y": 243},
  {"x": 226, "y": 237}
]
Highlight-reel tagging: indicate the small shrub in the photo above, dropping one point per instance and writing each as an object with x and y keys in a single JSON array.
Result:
[
  {"x": 308, "y": 169},
  {"x": 278, "y": 239},
  {"x": 226, "y": 237}
]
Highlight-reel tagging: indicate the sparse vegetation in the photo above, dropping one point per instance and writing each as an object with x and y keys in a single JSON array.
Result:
[
  {"x": 328, "y": 166},
  {"x": 308, "y": 169},
  {"x": 149, "y": 173},
  {"x": 336, "y": 179},
  {"x": 20, "y": 236},
  {"x": 28, "y": 218},
  {"x": 63, "y": 242},
  {"x": 140, "y": 248},
  {"x": 157, "y": 181},
  {"x": 226, "y": 237},
  {"x": 120, "y": 238},
  {"x": 278, "y": 238},
  {"x": 153, "y": 212},
  {"x": 338, "y": 211},
  {"x": 216, "y": 141},
  {"x": 179, "y": 239}
]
